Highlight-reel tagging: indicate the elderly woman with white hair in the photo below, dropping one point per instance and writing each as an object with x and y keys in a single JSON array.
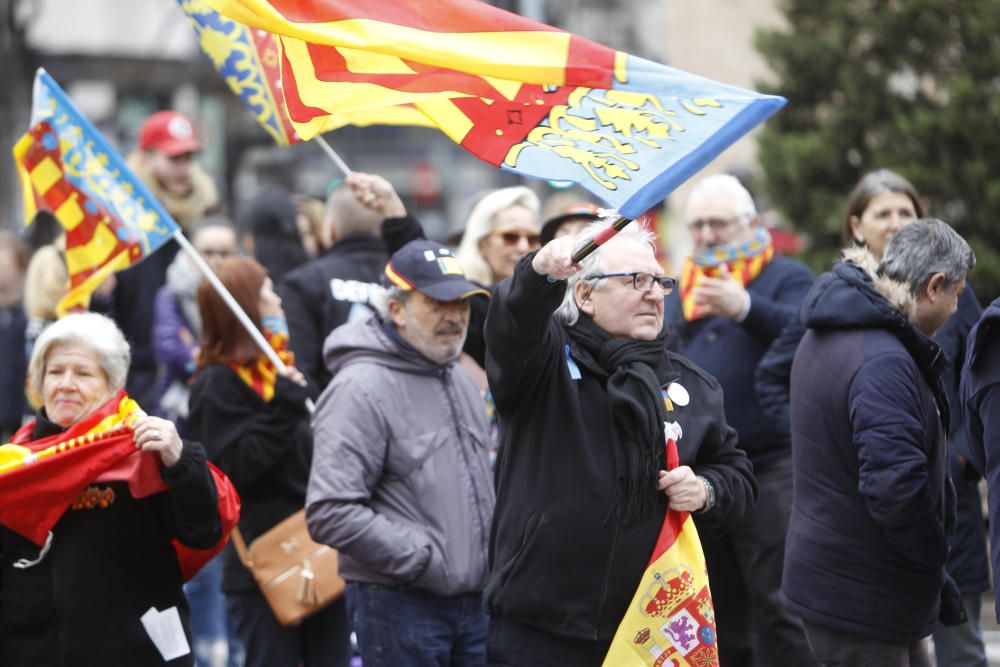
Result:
[
  {"x": 503, "y": 227},
  {"x": 87, "y": 596}
]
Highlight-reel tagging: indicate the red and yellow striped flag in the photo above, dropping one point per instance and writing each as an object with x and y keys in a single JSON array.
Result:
[
  {"x": 65, "y": 166},
  {"x": 521, "y": 95},
  {"x": 671, "y": 620}
]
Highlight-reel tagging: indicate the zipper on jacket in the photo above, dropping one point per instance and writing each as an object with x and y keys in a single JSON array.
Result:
[{"x": 445, "y": 376}]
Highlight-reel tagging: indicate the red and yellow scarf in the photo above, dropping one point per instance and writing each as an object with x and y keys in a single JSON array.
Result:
[
  {"x": 261, "y": 375},
  {"x": 745, "y": 261}
]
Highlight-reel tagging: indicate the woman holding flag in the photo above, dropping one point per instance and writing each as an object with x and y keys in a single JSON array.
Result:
[
  {"x": 257, "y": 425},
  {"x": 96, "y": 535}
]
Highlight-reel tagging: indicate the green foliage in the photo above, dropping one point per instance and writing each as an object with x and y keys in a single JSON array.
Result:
[{"x": 909, "y": 85}]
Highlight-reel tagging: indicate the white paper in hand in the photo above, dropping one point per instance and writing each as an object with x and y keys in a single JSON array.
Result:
[{"x": 165, "y": 629}]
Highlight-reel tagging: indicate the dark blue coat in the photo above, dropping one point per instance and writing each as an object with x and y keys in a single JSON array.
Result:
[
  {"x": 981, "y": 404},
  {"x": 967, "y": 564},
  {"x": 730, "y": 351},
  {"x": 873, "y": 506}
]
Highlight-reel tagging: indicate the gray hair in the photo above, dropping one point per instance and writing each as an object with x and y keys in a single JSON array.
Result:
[
  {"x": 568, "y": 312},
  {"x": 93, "y": 330},
  {"x": 380, "y": 300},
  {"x": 922, "y": 249},
  {"x": 729, "y": 188},
  {"x": 480, "y": 224}
]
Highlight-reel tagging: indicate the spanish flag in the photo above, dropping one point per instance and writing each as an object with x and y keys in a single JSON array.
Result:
[
  {"x": 671, "y": 620},
  {"x": 65, "y": 166},
  {"x": 521, "y": 95},
  {"x": 41, "y": 479}
]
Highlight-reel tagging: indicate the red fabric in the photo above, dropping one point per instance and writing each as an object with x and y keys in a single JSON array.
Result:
[{"x": 192, "y": 560}]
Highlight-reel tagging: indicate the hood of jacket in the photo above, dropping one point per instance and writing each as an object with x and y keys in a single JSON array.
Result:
[
  {"x": 853, "y": 296},
  {"x": 368, "y": 340},
  {"x": 988, "y": 321}
]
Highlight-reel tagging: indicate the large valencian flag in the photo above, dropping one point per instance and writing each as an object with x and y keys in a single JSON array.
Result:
[
  {"x": 65, "y": 166},
  {"x": 521, "y": 95}
]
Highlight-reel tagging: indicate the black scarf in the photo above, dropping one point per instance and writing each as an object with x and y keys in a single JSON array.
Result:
[{"x": 639, "y": 413}]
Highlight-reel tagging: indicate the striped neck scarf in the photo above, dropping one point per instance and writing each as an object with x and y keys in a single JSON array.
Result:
[
  {"x": 261, "y": 374},
  {"x": 744, "y": 260}
]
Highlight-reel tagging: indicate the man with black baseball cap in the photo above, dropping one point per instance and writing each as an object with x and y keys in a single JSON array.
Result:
[{"x": 401, "y": 481}]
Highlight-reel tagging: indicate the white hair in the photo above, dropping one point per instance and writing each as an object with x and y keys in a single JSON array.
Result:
[
  {"x": 93, "y": 330},
  {"x": 568, "y": 311},
  {"x": 729, "y": 188},
  {"x": 381, "y": 297},
  {"x": 480, "y": 224}
]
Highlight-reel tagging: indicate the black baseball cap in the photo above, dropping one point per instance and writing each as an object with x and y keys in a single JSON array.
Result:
[
  {"x": 432, "y": 269},
  {"x": 575, "y": 212}
]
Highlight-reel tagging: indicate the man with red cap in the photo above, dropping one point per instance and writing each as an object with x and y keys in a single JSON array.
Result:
[{"x": 164, "y": 162}]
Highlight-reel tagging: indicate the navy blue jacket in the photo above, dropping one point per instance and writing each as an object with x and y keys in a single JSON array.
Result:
[
  {"x": 730, "y": 351},
  {"x": 967, "y": 564},
  {"x": 981, "y": 404},
  {"x": 872, "y": 506}
]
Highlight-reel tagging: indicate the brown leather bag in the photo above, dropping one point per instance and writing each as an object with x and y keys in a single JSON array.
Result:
[{"x": 297, "y": 576}]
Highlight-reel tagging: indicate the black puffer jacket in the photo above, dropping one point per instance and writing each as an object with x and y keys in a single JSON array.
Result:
[{"x": 556, "y": 564}]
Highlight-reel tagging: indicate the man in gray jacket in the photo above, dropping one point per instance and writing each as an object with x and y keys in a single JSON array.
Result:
[{"x": 401, "y": 482}]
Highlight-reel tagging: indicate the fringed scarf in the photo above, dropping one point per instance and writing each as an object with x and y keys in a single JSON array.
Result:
[
  {"x": 638, "y": 410},
  {"x": 744, "y": 260}
]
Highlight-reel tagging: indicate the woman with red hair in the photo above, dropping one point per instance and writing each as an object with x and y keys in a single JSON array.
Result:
[{"x": 256, "y": 425}]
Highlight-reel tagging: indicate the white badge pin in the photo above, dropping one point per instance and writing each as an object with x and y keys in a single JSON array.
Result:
[{"x": 678, "y": 394}]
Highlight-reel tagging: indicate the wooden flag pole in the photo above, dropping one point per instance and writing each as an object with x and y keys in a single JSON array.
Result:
[{"x": 602, "y": 237}]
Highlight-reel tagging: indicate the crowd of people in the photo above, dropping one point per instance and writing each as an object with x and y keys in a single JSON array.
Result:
[{"x": 486, "y": 448}]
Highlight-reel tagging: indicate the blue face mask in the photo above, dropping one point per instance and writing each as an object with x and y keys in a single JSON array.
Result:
[{"x": 274, "y": 325}]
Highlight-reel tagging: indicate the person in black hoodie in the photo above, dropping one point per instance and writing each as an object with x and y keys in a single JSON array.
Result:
[
  {"x": 873, "y": 506},
  {"x": 256, "y": 426},
  {"x": 581, "y": 493}
]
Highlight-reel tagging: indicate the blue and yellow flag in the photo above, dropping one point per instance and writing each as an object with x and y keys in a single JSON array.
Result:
[
  {"x": 521, "y": 95},
  {"x": 248, "y": 61},
  {"x": 111, "y": 220}
]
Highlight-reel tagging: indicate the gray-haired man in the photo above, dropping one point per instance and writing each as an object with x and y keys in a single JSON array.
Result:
[
  {"x": 401, "y": 481},
  {"x": 873, "y": 503}
]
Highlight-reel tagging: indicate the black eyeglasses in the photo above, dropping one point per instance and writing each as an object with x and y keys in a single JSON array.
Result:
[{"x": 641, "y": 281}]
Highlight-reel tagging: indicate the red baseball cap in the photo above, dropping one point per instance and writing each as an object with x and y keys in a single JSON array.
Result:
[{"x": 170, "y": 133}]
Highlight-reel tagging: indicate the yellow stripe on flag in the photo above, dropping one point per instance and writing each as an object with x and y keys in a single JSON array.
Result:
[
  {"x": 537, "y": 57},
  {"x": 92, "y": 253},
  {"x": 369, "y": 62}
]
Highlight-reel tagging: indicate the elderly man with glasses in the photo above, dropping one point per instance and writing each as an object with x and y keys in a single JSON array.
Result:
[
  {"x": 583, "y": 383},
  {"x": 733, "y": 300}
]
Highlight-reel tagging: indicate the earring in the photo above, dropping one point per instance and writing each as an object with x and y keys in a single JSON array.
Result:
[{"x": 859, "y": 240}]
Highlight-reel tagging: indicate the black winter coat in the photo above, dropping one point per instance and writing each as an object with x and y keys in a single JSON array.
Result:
[
  {"x": 264, "y": 447},
  {"x": 873, "y": 506},
  {"x": 327, "y": 292},
  {"x": 981, "y": 404},
  {"x": 80, "y": 606},
  {"x": 730, "y": 351},
  {"x": 556, "y": 564}
]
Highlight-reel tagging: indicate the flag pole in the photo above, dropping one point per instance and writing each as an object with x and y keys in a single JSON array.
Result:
[
  {"x": 602, "y": 237},
  {"x": 332, "y": 154},
  {"x": 240, "y": 314}
]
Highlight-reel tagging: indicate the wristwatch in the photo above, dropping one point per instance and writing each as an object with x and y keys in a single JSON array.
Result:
[{"x": 709, "y": 492}]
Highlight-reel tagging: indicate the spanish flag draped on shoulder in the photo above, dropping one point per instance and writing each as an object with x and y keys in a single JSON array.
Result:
[
  {"x": 521, "y": 95},
  {"x": 65, "y": 166},
  {"x": 671, "y": 619}
]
